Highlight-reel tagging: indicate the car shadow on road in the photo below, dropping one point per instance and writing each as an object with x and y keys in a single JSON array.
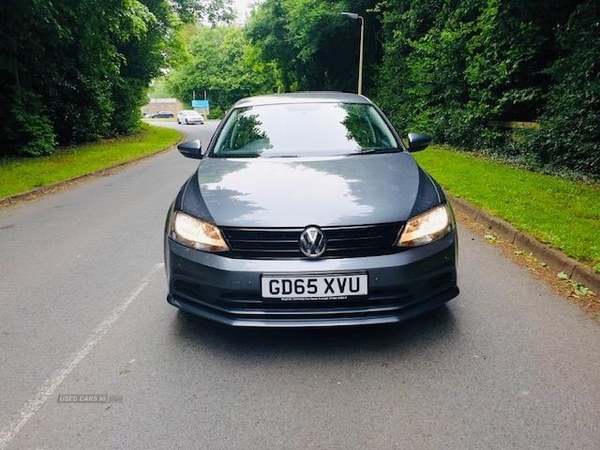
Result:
[{"x": 431, "y": 329}]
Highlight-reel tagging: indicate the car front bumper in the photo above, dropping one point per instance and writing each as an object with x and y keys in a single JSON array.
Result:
[{"x": 227, "y": 290}]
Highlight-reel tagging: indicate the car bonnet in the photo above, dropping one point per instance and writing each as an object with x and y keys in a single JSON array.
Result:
[{"x": 325, "y": 191}]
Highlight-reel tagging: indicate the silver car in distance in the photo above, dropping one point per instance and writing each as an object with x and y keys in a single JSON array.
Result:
[{"x": 307, "y": 210}]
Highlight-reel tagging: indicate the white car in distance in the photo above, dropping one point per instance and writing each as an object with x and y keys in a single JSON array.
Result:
[{"x": 189, "y": 117}]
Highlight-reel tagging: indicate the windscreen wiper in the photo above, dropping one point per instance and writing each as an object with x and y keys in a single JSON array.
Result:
[{"x": 377, "y": 150}]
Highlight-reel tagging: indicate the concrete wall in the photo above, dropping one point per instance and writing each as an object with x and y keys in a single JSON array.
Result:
[{"x": 162, "y": 104}]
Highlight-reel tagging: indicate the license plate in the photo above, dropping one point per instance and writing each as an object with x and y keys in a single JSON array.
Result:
[{"x": 314, "y": 287}]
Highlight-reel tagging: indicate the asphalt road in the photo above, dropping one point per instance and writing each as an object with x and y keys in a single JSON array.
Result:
[{"x": 506, "y": 365}]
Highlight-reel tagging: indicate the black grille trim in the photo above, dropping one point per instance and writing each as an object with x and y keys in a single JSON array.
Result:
[{"x": 342, "y": 242}]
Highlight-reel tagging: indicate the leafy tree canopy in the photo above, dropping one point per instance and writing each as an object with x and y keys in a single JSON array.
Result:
[
  {"x": 73, "y": 71},
  {"x": 223, "y": 65}
]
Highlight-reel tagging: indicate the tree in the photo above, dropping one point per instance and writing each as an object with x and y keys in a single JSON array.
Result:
[
  {"x": 73, "y": 71},
  {"x": 215, "y": 12},
  {"x": 223, "y": 64},
  {"x": 454, "y": 68},
  {"x": 569, "y": 135},
  {"x": 313, "y": 46}
]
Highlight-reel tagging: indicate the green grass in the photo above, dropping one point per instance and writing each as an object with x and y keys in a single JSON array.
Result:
[
  {"x": 564, "y": 214},
  {"x": 20, "y": 175}
]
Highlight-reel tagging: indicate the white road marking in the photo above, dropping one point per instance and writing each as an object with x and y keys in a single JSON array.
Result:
[{"x": 31, "y": 407}]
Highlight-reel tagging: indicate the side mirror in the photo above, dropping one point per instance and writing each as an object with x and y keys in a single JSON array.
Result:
[
  {"x": 191, "y": 149},
  {"x": 418, "y": 141}
]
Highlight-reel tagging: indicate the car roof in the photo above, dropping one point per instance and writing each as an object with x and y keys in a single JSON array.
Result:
[{"x": 302, "y": 97}]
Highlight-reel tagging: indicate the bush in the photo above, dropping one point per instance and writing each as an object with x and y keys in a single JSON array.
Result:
[
  {"x": 570, "y": 135},
  {"x": 31, "y": 132},
  {"x": 465, "y": 64}
]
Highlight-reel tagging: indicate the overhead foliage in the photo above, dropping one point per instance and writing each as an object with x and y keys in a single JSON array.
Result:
[
  {"x": 73, "y": 71},
  {"x": 223, "y": 66},
  {"x": 463, "y": 69},
  {"x": 570, "y": 123},
  {"x": 312, "y": 44},
  {"x": 214, "y": 12}
]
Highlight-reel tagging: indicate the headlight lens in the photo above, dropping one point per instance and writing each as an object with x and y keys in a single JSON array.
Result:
[
  {"x": 427, "y": 227},
  {"x": 196, "y": 233}
]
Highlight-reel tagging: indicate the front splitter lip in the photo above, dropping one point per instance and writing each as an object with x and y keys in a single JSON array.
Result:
[{"x": 399, "y": 316}]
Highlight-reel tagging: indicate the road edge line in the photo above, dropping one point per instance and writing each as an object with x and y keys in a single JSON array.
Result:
[{"x": 33, "y": 405}]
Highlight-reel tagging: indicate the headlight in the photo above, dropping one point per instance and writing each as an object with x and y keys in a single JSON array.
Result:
[
  {"x": 196, "y": 233},
  {"x": 427, "y": 227}
]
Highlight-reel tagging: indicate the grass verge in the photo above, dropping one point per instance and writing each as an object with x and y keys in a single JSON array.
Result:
[
  {"x": 563, "y": 214},
  {"x": 18, "y": 175}
]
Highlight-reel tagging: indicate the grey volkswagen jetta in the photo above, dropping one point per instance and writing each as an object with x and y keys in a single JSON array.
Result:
[{"x": 306, "y": 210}]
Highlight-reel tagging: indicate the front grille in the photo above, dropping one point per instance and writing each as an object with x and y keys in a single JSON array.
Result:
[{"x": 342, "y": 242}]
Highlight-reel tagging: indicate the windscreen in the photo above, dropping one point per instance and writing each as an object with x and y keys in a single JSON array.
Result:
[{"x": 304, "y": 129}]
